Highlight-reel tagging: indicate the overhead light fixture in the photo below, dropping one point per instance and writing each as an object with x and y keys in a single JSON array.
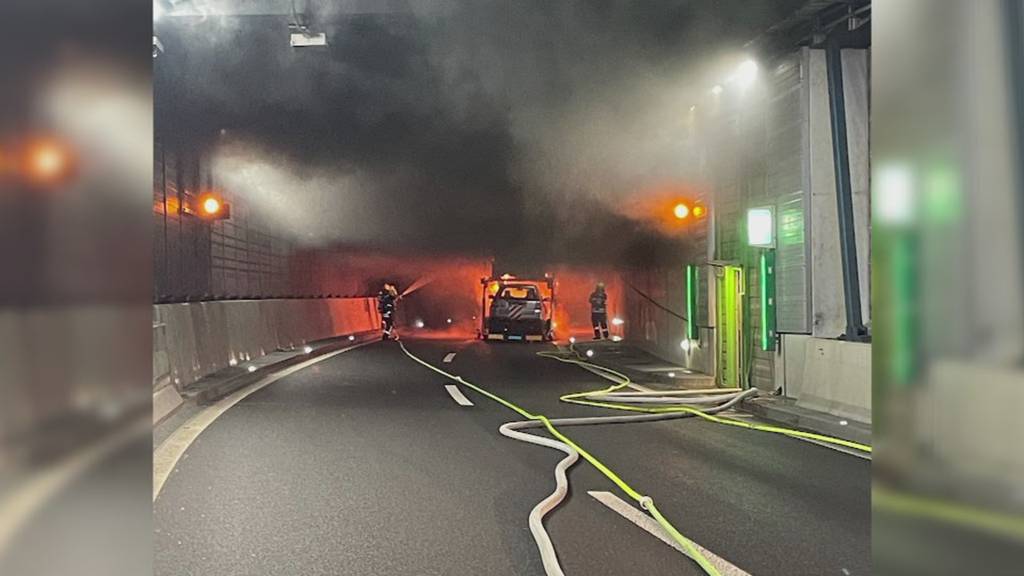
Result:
[
  {"x": 746, "y": 74},
  {"x": 306, "y": 39}
]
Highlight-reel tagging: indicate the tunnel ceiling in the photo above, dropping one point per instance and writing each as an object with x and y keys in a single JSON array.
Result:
[{"x": 515, "y": 129}]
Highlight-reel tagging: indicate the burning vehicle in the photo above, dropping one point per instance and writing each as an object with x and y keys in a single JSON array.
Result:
[{"x": 517, "y": 309}]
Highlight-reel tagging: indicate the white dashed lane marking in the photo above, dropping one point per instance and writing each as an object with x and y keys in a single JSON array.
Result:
[
  {"x": 634, "y": 515},
  {"x": 457, "y": 395}
]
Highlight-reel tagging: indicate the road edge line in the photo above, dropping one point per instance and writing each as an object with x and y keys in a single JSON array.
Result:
[{"x": 170, "y": 451}]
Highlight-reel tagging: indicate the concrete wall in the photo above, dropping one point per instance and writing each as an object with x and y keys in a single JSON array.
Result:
[
  {"x": 661, "y": 332},
  {"x": 832, "y": 376},
  {"x": 64, "y": 367},
  {"x": 828, "y": 303},
  {"x": 193, "y": 340}
]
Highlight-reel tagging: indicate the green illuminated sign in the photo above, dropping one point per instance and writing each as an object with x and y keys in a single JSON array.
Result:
[
  {"x": 761, "y": 227},
  {"x": 691, "y": 302},
  {"x": 767, "y": 281}
]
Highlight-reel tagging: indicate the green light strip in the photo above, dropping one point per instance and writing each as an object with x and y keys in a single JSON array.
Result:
[
  {"x": 690, "y": 320},
  {"x": 764, "y": 301}
]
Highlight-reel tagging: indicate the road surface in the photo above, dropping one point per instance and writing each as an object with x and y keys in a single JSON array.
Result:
[{"x": 366, "y": 464}]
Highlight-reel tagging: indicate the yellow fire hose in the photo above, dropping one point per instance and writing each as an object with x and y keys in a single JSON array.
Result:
[
  {"x": 583, "y": 398},
  {"x": 645, "y": 502}
]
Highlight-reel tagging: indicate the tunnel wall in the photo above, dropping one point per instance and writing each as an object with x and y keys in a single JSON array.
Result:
[
  {"x": 647, "y": 295},
  {"x": 194, "y": 340},
  {"x": 772, "y": 147}
]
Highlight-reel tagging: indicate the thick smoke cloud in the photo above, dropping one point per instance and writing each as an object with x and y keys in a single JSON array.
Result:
[{"x": 508, "y": 128}]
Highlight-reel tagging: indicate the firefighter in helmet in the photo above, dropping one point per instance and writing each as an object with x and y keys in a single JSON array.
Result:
[
  {"x": 599, "y": 311},
  {"x": 386, "y": 299}
]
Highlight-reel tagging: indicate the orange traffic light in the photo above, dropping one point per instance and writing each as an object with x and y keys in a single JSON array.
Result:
[
  {"x": 212, "y": 207},
  {"x": 699, "y": 211},
  {"x": 46, "y": 162},
  {"x": 681, "y": 211}
]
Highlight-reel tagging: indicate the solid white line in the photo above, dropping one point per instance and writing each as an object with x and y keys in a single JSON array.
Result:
[
  {"x": 457, "y": 395},
  {"x": 166, "y": 456},
  {"x": 31, "y": 494},
  {"x": 448, "y": 359},
  {"x": 649, "y": 524}
]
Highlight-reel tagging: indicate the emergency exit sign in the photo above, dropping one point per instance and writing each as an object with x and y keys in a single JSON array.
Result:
[{"x": 761, "y": 227}]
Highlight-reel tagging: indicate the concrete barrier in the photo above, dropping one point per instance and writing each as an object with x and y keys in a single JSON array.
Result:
[{"x": 193, "y": 340}]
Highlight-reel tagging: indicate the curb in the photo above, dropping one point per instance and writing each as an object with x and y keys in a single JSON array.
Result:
[{"x": 204, "y": 395}]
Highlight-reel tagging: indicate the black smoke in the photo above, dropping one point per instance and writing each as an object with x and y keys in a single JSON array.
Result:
[{"x": 508, "y": 128}]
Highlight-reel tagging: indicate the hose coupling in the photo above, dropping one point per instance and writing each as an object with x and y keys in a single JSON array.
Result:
[{"x": 646, "y": 502}]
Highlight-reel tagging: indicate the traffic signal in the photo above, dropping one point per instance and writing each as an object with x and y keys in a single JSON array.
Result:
[
  {"x": 685, "y": 210},
  {"x": 209, "y": 206},
  {"x": 46, "y": 162}
]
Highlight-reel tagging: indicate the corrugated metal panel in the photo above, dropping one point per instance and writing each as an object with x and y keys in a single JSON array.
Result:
[
  {"x": 791, "y": 265},
  {"x": 785, "y": 183}
]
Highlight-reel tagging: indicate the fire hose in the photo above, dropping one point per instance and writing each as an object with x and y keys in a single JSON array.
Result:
[
  {"x": 611, "y": 398},
  {"x": 573, "y": 451}
]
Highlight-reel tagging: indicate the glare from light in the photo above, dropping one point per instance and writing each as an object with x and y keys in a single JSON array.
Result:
[
  {"x": 420, "y": 324},
  {"x": 554, "y": 325},
  {"x": 233, "y": 362},
  {"x": 671, "y": 374},
  {"x": 616, "y": 338},
  {"x": 251, "y": 368},
  {"x": 351, "y": 338},
  {"x": 590, "y": 353},
  {"x": 761, "y": 227},
  {"x": 307, "y": 349},
  {"x": 685, "y": 345},
  {"x": 47, "y": 160},
  {"x": 211, "y": 205},
  {"x": 449, "y": 320},
  {"x": 895, "y": 195},
  {"x": 746, "y": 74},
  {"x": 618, "y": 321},
  {"x": 681, "y": 211},
  {"x": 158, "y": 11},
  {"x": 572, "y": 340},
  {"x": 716, "y": 89}
]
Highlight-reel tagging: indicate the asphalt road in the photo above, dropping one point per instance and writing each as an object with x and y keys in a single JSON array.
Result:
[{"x": 363, "y": 464}]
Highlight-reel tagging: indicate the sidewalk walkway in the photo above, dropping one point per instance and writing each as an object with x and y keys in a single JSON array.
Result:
[{"x": 648, "y": 370}]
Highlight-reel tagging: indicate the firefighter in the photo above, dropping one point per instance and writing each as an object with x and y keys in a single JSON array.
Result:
[
  {"x": 386, "y": 300},
  {"x": 599, "y": 311}
]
